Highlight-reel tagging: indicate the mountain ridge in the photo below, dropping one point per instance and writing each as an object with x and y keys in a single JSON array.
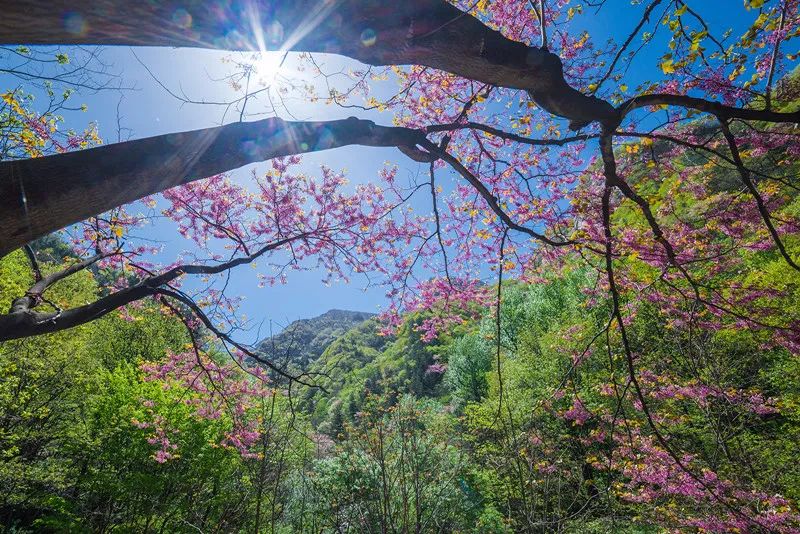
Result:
[{"x": 304, "y": 340}]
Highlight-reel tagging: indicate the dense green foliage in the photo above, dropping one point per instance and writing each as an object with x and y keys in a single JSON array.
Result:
[
  {"x": 74, "y": 457},
  {"x": 390, "y": 445}
]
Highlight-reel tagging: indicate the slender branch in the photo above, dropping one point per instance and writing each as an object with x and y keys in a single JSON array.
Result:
[
  {"x": 703, "y": 23},
  {"x": 774, "y": 58},
  {"x": 487, "y": 195},
  {"x": 507, "y": 135},
  {"x": 37, "y": 272},
  {"x": 434, "y": 195},
  {"x": 23, "y": 321},
  {"x": 675, "y": 140},
  {"x": 209, "y": 324},
  {"x": 645, "y": 18},
  {"x": 614, "y": 180},
  {"x": 744, "y": 174}
]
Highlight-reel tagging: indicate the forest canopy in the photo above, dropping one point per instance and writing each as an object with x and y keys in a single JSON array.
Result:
[{"x": 587, "y": 239}]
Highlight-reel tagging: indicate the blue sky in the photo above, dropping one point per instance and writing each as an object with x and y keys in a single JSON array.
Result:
[
  {"x": 150, "y": 110},
  {"x": 305, "y": 295}
]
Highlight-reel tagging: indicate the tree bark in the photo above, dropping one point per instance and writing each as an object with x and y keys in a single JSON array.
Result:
[
  {"x": 376, "y": 32},
  {"x": 42, "y": 195}
]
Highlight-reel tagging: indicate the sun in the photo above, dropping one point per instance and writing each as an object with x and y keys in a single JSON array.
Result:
[{"x": 268, "y": 64}]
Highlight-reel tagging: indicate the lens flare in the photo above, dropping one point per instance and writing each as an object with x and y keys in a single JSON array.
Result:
[
  {"x": 75, "y": 24},
  {"x": 368, "y": 37}
]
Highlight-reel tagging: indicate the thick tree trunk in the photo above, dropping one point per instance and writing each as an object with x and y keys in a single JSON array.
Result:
[
  {"x": 42, "y": 195},
  {"x": 375, "y": 32}
]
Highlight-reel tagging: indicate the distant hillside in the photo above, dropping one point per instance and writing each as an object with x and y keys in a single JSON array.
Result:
[
  {"x": 363, "y": 362},
  {"x": 303, "y": 341},
  {"x": 346, "y": 348}
]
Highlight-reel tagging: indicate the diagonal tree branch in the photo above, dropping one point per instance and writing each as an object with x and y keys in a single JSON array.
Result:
[
  {"x": 198, "y": 312},
  {"x": 31, "y": 254},
  {"x": 614, "y": 290},
  {"x": 707, "y": 106},
  {"x": 744, "y": 174},
  {"x": 24, "y": 321},
  {"x": 645, "y": 18},
  {"x": 42, "y": 195},
  {"x": 508, "y": 135},
  {"x": 34, "y": 295},
  {"x": 432, "y": 33},
  {"x": 490, "y": 199}
]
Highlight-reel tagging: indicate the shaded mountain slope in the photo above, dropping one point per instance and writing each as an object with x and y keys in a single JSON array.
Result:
[{"x": 304, "y": 340}]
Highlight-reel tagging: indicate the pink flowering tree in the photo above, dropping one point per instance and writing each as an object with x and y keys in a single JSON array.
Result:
[{"x": 661, "y": 160}]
